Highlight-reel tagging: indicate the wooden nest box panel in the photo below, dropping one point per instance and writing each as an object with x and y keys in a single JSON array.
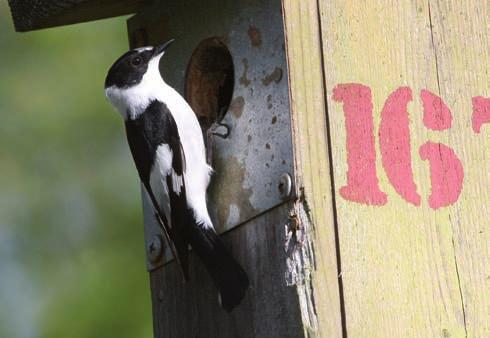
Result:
[{"x": 36, "y": 14}]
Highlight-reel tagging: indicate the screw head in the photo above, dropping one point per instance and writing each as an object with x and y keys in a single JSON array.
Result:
[
  {"x": 154, "y": 248},
  {"x": 285, "y": 186}
]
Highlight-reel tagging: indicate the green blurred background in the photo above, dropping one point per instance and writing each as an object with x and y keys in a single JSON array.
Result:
[{"x": 72, "y": 258}]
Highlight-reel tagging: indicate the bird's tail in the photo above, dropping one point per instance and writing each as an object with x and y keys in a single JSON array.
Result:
[{"x": 228, "y": 276}]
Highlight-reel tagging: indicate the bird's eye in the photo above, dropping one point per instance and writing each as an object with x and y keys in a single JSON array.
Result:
[{"x": 136, "y": 61}]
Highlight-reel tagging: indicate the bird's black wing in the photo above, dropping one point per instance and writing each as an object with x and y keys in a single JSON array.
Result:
[
  {"x": 152, "y": 129},
  {"x": 156, "y": 128}
]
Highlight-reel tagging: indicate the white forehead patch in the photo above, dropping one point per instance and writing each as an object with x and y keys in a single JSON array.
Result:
[{"x": 141, "y": 49}]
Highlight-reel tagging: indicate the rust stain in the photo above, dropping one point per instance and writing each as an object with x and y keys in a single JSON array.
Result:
[
  {"x": 255, "y": 36},
  {"x": 224, "y": 193},
  {"x": 236, "y": 106},
  {"x": 275, "y": 76},
  {"x": 269, "y": 101},
  {"x": 243, "y": 79}
]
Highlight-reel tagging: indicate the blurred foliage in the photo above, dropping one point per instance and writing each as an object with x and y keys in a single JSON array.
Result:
[{"x": 71, "y": 236}]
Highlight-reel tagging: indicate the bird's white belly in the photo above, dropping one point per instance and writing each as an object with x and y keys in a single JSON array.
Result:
[
  {"x": 197, "y": 171},
  {"x": 196, "y": 174}
]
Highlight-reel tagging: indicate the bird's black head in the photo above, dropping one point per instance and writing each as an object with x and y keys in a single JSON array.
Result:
[{"x": 130, "y": 68}]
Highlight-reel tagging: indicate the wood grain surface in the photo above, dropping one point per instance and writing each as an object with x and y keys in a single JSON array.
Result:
[
  {"x": 310, "y": 143},
  {"x": 413, "y": 270}
]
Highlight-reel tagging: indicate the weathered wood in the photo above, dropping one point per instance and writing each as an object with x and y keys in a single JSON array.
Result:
[
  {"x": 270, "y": 308},
  {"x": 280, "y": 302},
  {"x": 312, "y": 164},
  {"x": 36, "y": 14},
  {"x": 403, "y": 265},
  {"x": 461, "y": 38}
]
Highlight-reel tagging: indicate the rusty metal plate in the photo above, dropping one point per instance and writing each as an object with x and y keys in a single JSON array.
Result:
[{"x": 251, "y": 163}]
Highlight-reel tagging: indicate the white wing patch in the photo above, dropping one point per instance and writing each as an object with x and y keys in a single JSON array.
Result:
[
  {"x": 177, "y": 183},
  {"x": 158, "y": 178}
]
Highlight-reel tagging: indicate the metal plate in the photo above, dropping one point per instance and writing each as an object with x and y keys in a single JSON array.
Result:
[{"x": 250, "y": 162}]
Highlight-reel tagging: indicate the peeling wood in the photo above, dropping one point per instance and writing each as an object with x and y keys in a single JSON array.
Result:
[
  {"x": 300, "y": 262},
  {"x": 313, "y": 178}
]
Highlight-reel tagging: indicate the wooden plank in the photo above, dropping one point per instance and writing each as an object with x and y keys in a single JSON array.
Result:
[
  {"x": 270, "y": 308},
  {"x": 313, "y": 184},
  {"x": 461, "y": 44},
  {"x": 31, "y": 15},
  {"x": 399, "y": 271}
]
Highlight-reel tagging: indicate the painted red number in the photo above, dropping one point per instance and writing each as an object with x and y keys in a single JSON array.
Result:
[
  {"x": 481, "y": 112},
  {"x": 446, "y": 170},
  {"x": 446, "y": 174},
  {"x": 394, "y": 141},
  {"x": 362, "y": 182}
]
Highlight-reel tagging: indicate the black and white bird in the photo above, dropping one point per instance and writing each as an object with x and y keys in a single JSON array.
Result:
[{"x": 168, "y": 149}]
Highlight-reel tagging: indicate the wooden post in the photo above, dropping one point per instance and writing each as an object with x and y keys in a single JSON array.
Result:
[
  {"x": 414, "y": 263},
  {"x": 312, "y": 163}
]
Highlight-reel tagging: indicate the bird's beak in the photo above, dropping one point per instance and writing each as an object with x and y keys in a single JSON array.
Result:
[{"x": 158, "y": 50}]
